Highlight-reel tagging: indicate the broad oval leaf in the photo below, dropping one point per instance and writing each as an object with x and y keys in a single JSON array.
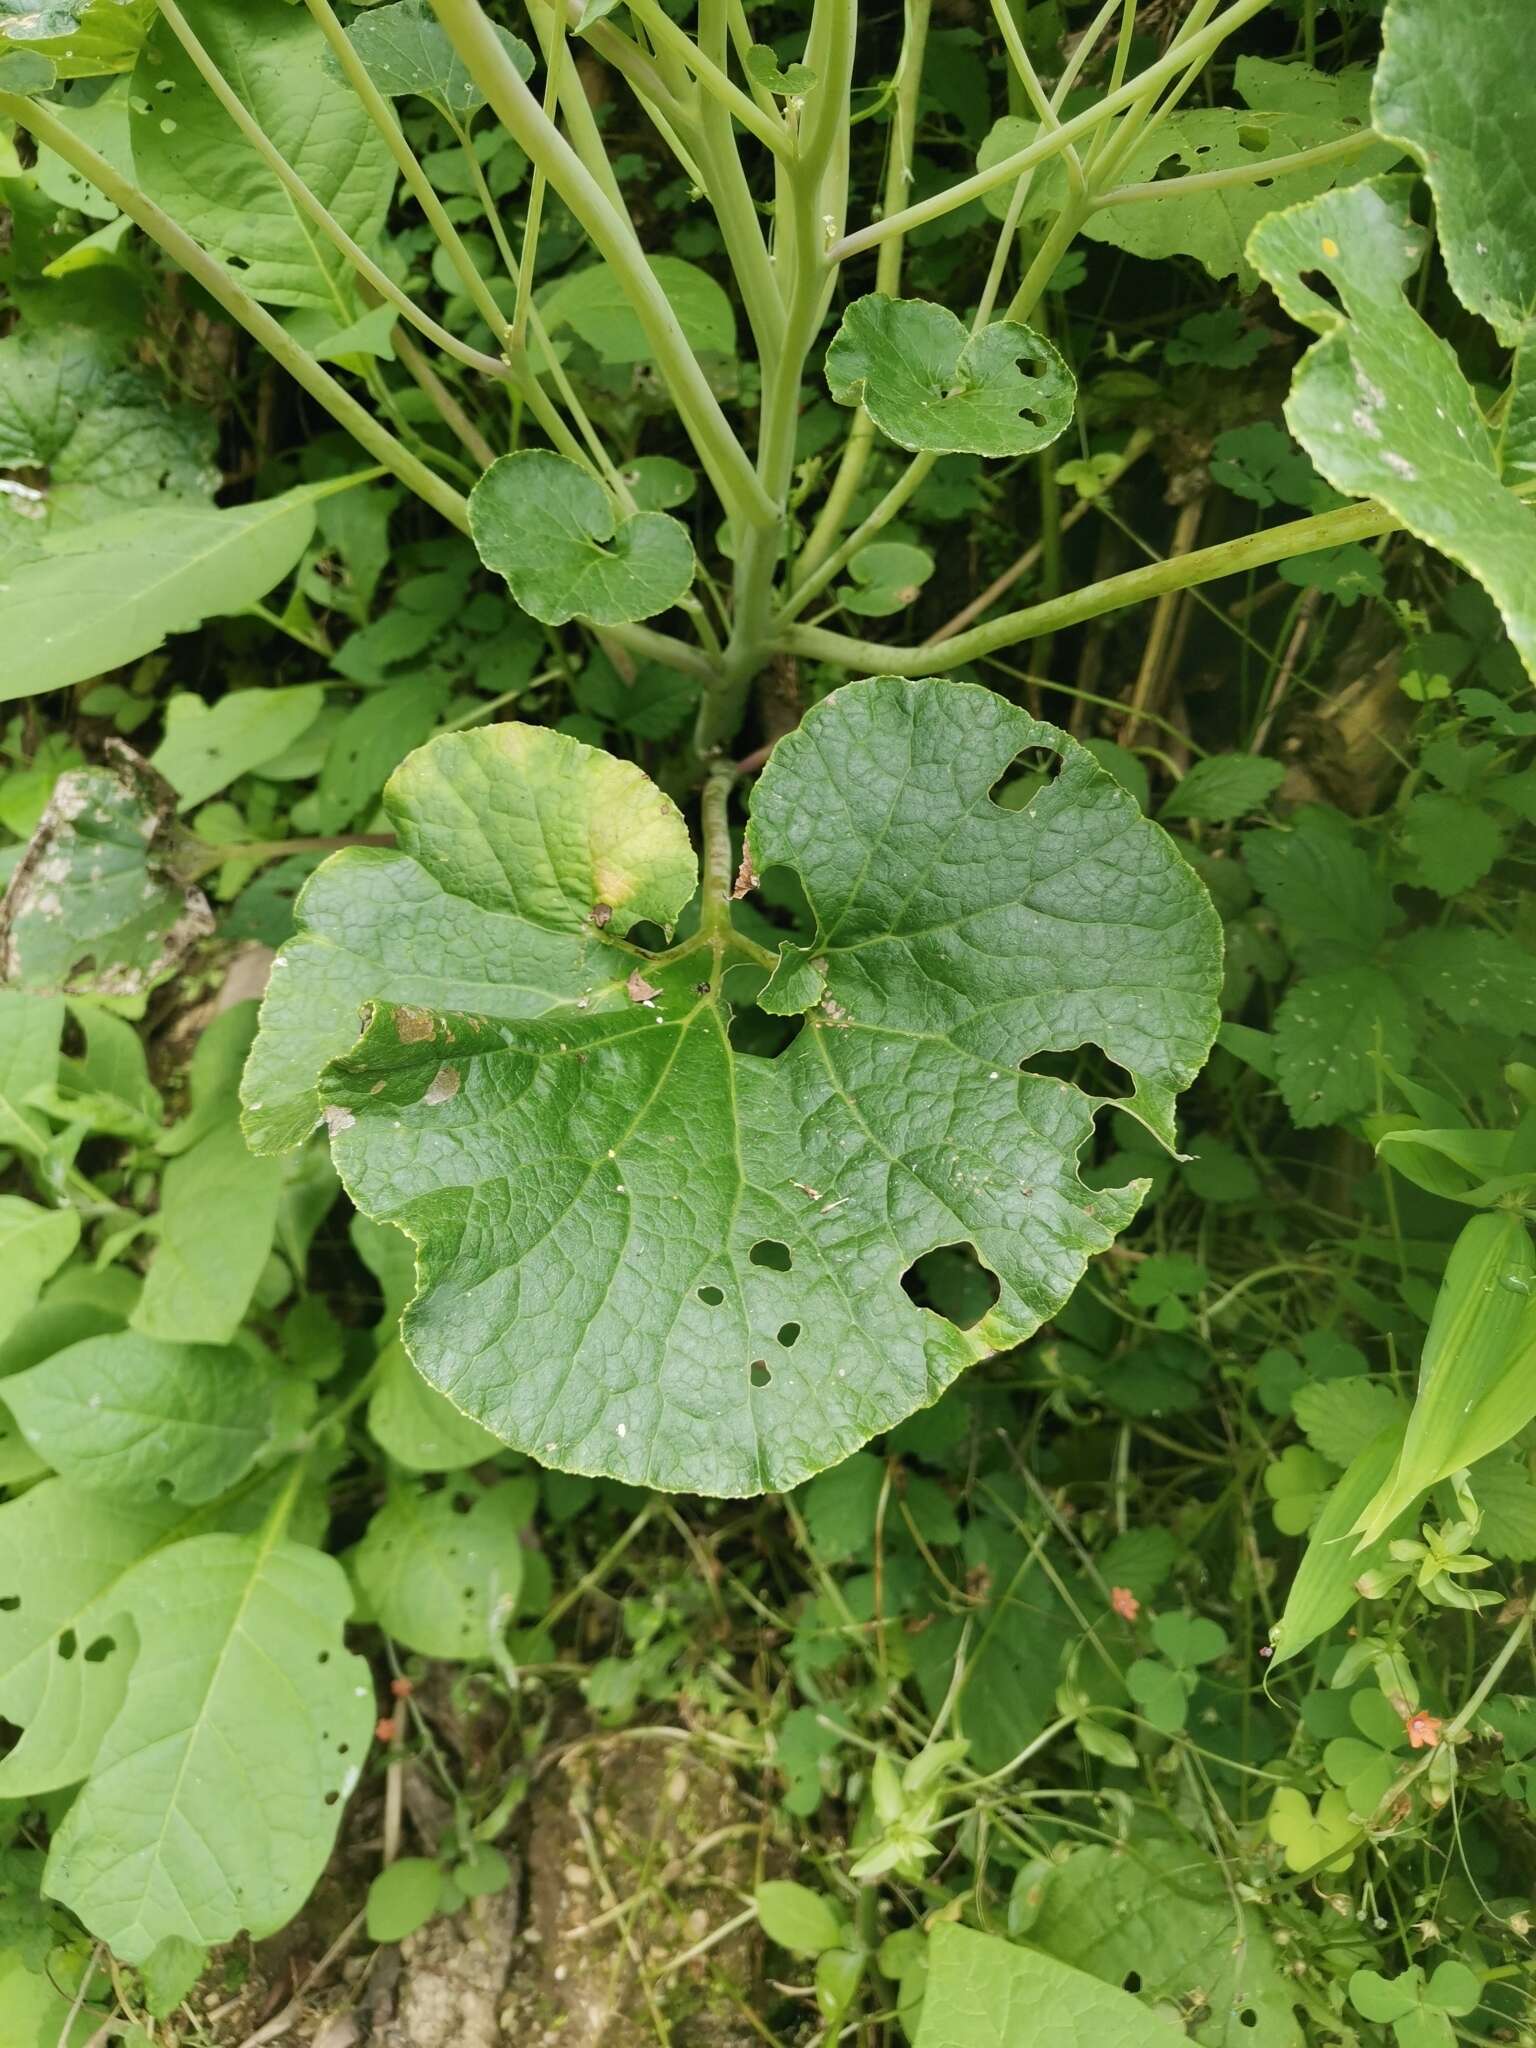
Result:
[
  {"x": 407, "y": 52},
  {"x": 984, "y": 1992},
  {"x": 135, "y": 1417},
  {"x": 641, "y": 1252},
  {"x": 95, "y": 905},
  {"x": 551, "y": 530},
  {"x": 191, "y": 158},
  {"x": 99, "y": 596},
  {"x": 435, "y": 1566},
  {"x": 213, "y": 1800},
  {"x": 1380, "y": 402},
  {"x": 80, "y": 38},
  {"x": 933, "y": 387}
]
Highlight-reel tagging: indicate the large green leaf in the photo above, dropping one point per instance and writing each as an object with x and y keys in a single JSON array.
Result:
[
  {"x": 95, "y": 597},
  {"x": 1453, "y": 86},
  {"x": 80, "y": 38},
  {"x": 552, "y": 531},
  {"x": 193, "y": 160},
  {"x": 104, "y": 432},
  {"x": 984, "y": 1992},
  {"x": 64, "y": 1654},
  {"x": 130, "y": 1416},
  {"x": 1160, "y": 1910},
  {"x": 213, "y": 1800},
  {"x": 930, "y": 385},
  {"x": 641, "y": 1252},
  {"x": 408, "y": 54},
  {"x": 1289, "y": 108},
  {"x": 1380, "y": 403},
  {"x": 95, "y": 905}
]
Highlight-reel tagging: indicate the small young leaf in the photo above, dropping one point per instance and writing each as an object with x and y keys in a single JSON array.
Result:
[
  {"x": 930, "y": 385},
  {"x": 551, "y": 530},
  {"x": 797, "y": 1918},
  {"x": 1341, "y": 1417},
  {"x": 34, "y": 1243},
  {"x": 208, "y": 746},
  {"x": 405, "y": 1896},
  {"x": 433, "y": 1566}
]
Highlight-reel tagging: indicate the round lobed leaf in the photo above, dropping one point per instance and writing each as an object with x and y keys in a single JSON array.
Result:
[
  {"x": 550, "y": 530},
  {"x": 935, "y": 388}
]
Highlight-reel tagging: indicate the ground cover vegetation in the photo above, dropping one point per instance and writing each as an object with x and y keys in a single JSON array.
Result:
[{"x": 767, "y": 1023}]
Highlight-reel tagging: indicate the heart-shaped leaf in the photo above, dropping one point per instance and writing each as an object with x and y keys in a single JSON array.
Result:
[
  {"x": 933, "y": 387},
  {"x": 552, "y": 531},
  {"x": 643, "y": 1252},
  {"x": 1380, "y": 402},
  {"x": 407, "y": 52}
]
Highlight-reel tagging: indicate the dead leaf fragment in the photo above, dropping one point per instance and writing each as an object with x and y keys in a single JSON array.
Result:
[{"x": 639, "y": 989}]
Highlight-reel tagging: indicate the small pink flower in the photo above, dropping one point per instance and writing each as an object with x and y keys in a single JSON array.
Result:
[
  {"x": 1124, "y": 1602},
  {"x": 1423, "y": 1730}
]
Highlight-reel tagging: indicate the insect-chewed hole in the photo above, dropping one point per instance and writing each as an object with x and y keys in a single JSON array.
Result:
[
  {"x": 1081, "y": 1066},
  {"x": 769, "y": 1252},
  {"x": 99, "y": 1651},
  {"x": 1024, "y": 777},
  {"x": 759, "y": 1374},
  {"x": 9, "y": 1603},
  {"x": 758, "y": 1035},
  {"x": 1131, "y": 1981},
  {"x": 789, "y": 1334},
  {"x": 69, "y": 1642},
  {"x": 1322, "y": 285},
  {"x": 711, "y": 1296},
  {"x": 1247, "y": 2017},
  {"x": 952, "y": 1281},
  {"x": 165, "y": 1488}
]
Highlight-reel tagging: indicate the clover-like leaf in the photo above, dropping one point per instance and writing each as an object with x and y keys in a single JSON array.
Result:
[
  {"x": 642, "y": 1252},
  {"x": 551, "y": 530},
  {"x": 95, "y": 905},
  {"x": 1380, "y": 402},
  {"x": 932, "y": 386},
  {"x": 1453, "y": 86},
  {"x": 408, "y": 54}
]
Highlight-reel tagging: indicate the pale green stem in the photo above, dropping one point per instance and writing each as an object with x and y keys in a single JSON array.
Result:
[
  {"x": 910, "y": 480},
  {"x": 1202, "y": 565},
  {"x": 612, "y": 233},
  {"x": 308, "y": 202},
  {"x": 447, "y": 407},
  {"x": 382, "y": 115},
  {"x": 1087, "y": 43},
  {"x": 1045, "y": 113},
  {"x": 1238, "y": 174},
  {"x": 1044, "y": 147},
  {"x": 725, "y": 185},
  {"x": 1062, "y": 235},
  {"x": 711, "y": 76},
  {"x": 1000, "y": 254},
  {"x": 222, "y": 286},
  {"x": 553, "y": 57},
  {"x": 717, "y": 879},
  {"x": 898, "y": 176},
  {"x": 1149, "y": 113},
  {"x": 605, "y": 465}
]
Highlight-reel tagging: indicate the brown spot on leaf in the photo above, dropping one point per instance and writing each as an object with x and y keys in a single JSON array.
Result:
[
  {"x": 602, "y": 914},
  {"x": 640, "y": 990},
  {"x": 445, "y": 1085},
  {"x": 413, "y": 1025},
  {"x": 746, "y": 878}
]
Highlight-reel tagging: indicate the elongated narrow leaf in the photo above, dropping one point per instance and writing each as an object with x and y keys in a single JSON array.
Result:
[
  {"x": 218, "y": 1216},
  {"x": 1323, "y": 1590},
  {"x": 193, "y": 160},
  {"x": 97, "y": 596},
  {"x": 550, "y": 529},
  {"x": 642, "y": 1252},
  {"x": 1476, "y": 1382},
  {"x": 214, "y": 1798},
  {"x": 1453, "y": 86},
  {"x": 1380, "y": 403},
  {"x": 930, "y": 385}
]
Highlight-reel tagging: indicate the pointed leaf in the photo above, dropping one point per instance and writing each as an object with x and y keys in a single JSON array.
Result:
[
  {"x": 1380, "y": 402},
  {"x": 643, "y": 1253},
  {"x": 213, "y": 1802},
  {"x": 407, "y": 52},
  {"x": 551, "y": 530},
  {"x": 930, "y": 385},
  {"x": 984, "y": 1992},
  {"x": 192, "y": 159}
]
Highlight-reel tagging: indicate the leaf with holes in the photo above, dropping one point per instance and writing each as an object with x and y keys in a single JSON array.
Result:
[
  {"x": 139, "y": 1419},
  {"x": 212, "y": 1803},
  {"x": 645, "y": 1253},
  {"x": 95, "y": 905},
  {"x": 1380, "y": 402},
  {"x": 191, "y": 158},
  {"x": 80, "y": 38},
  {"x": 933, "y": 387},
  {"x": 408, "y": 53},
  {"x": 550, "y": 529},
  {"x": 435, "y": 1565},
  {"x": 984, "y": 1992}
]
